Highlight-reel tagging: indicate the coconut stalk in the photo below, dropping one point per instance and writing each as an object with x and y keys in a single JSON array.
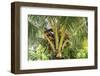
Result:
[{"x": 50, "y": 42}]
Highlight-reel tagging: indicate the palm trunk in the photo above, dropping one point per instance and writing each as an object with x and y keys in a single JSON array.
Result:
[{"x": 58, "y": 54}]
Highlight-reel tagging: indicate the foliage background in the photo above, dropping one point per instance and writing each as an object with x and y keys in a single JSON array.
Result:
[{"x": 77, "y": 30}]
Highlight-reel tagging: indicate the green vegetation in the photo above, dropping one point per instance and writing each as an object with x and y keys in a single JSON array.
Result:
[{"x": 57, "y": 37}]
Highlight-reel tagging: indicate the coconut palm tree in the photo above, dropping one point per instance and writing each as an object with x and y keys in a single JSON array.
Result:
[{"x": 59, "y": 36}]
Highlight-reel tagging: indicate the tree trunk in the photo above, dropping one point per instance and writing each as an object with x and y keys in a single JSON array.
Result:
[{"x": 59, "y": 54}]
